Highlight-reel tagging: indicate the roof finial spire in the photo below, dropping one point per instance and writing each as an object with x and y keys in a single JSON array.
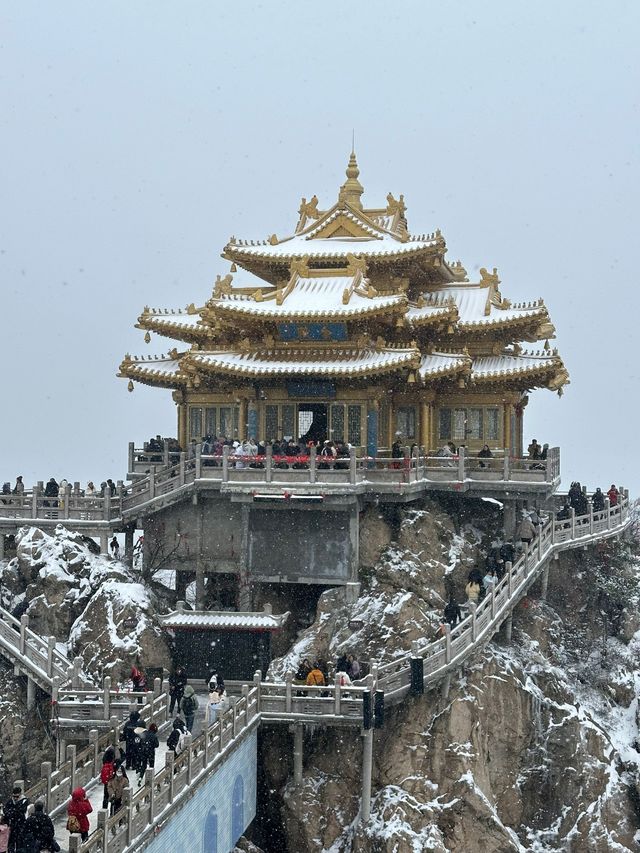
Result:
[{"x": 352, "y": 189}]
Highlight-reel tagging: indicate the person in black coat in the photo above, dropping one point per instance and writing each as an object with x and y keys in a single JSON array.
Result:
[
  {"x": 128, "y": 734},
  {"x": 147, "y": 752},
  {"x": 598, "y": 500},
  {"x": 179, "y": 727},
  {"x": 39, "y": 832},
  {"x": 177, "y": 683},
  {"x": 15, "y": 811},
  {"x": 452, "y": 612}
]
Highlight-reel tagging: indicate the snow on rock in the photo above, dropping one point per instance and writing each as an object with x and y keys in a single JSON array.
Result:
[
  {"x": 535, "y": 748},
  {"x": 116, "y": 628}
]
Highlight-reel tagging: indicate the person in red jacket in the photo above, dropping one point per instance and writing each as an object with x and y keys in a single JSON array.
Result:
[
  {"x": 77, "y": 811},
  {"x": 613, "y": 494}
]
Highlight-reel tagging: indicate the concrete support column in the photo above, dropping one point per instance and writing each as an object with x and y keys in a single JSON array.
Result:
[
  {"x": 446, "y": 686},
  {"x": 367, "y": 770},
  {"x": 545, "y": 582},
  {"x": 508, "y": 628},
  {"x": 354, "y": 543},
  {"x": 201, "y": 589},
  {"x": 104, "y": 543},
  {"x": 509, "y": 513},
  {"x": 244, "y": 584},
  {"x": 298, "y": 735},
  {"x": 128, "y": 546},
  {"x": 200, "y": 577},
  {"x": 1, "y": 546},
  {"x": 31, "y": 694}
]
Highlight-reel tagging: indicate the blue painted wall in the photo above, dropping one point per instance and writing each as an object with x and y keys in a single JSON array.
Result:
[{"x": 219, "y": 812}]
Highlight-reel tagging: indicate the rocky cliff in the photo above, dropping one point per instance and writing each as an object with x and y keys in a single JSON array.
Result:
[{"x": 533, "y": 748}]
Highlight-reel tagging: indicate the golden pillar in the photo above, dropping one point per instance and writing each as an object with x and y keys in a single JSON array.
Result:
[
  {"x": 242, "y": 419},
  {"x": 391, "y": 425},
  {"x": 182, "y": 425},
  {"x": 425, "y": 426}
]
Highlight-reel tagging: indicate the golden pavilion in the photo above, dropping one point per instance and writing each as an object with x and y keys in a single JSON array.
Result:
[{"x": 353, "y": 329}]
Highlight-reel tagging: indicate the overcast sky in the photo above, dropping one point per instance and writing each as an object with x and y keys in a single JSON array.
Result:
[{"x": 136, "y": 137}]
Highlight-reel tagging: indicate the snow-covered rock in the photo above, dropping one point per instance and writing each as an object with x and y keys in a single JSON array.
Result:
[{"x": 116, "y": 628}]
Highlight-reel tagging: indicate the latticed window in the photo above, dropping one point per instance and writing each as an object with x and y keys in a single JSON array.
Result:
[
  {"x": 354, "y": 435},
  {"x": 210, "y": 421},
  {"x": 288, "y": 421},
  {"x": 195, "y": 422},
  {"x": 271, "y": 422},
  {"x": 444, "y": 424},
  {"x": 492, "y": 424},
  {"x": 406, "y": 421},
  {"x": 337, "y": 422},
  {"x": 473, "y": 423}
]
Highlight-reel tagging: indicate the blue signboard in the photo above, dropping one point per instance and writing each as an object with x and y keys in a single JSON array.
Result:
[
  {"x": 324, "y": 390},
  {"x": 312, "y": 331}
]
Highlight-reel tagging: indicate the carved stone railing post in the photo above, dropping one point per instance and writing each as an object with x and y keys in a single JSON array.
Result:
[
  {"x": 472, "y": 608},
  {"x": 198, "y": 461},
  {"x": 51, "y": 646},
  {"x": 288, "y": 679},
  {"x": 24, "y": 624},
  {"x": 71, "y": 758},
  {"x": 225, "y": 464},
  {"x": 508, "y": 569},
  {"x": 447, "y": 647},
  {"x": 181, "y": 468},
  {"x": 352, "y": 466},
  {"x": 106, "y": 698},
  {"x": 461, "y": 460},
  {"x": 312, "y": 465}
]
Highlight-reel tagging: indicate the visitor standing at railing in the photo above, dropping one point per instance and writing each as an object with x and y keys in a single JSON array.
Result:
[
  {"x": 18, "y": 489},
  {"x": 114, "y": 545},
  {"x": 613, "y": 494},
  {"x": 116, "y": 788},
  {"x": 565, "y": 513},
  {"x": 127, "y": 736},
  {"x": 51, "y": 491},
  {"x": 147, "y": 751},
  {"x": 526, "y": 531},
  {"x": 90, "y": 491},
  {"x": 485, "y": 453},
  {"x": 39, "y": 832},
  {"x": 315, "y": 677},
  {"x": 189, "y": 706},
  {"x": 175, "y": 740},
  {"x": 15, "y": 810},
  {"x": 107, "y": 773},
  {"x": 77, "y": 811},
  {"x": 452, "y": 612},
  {"x": 177, "y": 683},
  {"x": 534, "y": 450},
  {"x": 597, "y": 501},
  {"x": 474, "y": 588}
]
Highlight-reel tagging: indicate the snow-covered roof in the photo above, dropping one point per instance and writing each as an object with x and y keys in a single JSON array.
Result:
[
  {"x": 158, "y": 370},
  {"x": 310, "y": 297},
  {"x": 441, "y": 364},
  {"x": 307, "y": 362},
  {"x": 491, "y": 366},
  {"x": 328, "y": 247},
  {"x": 172, "y": 317},
  {"x": 474, "y": 306},
  {"x": 223, "y": 620}
]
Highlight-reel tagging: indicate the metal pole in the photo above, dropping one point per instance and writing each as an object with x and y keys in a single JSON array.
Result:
[{"x": 367, "y": 768}]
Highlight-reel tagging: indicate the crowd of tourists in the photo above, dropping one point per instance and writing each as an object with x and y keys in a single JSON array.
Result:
[
  {"x": 316, "y": 672},
  {"x": 482, "y": 578},
  {"x": 55, "y": 491},
  {"x": 25, "y": 827}
]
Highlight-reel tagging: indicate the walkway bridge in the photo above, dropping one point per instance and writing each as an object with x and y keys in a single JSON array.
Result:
[
  {"x": 293, "y": 479},
  {"x": 166, "y": 792}
]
